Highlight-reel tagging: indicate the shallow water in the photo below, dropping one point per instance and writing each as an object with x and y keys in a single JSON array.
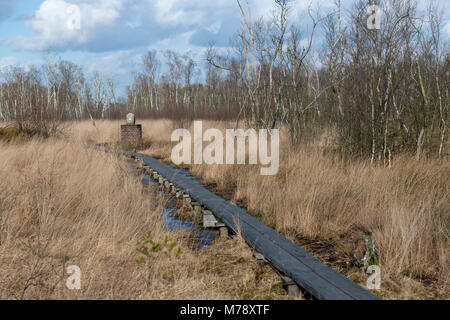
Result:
[{"x": 204, "y": 237}]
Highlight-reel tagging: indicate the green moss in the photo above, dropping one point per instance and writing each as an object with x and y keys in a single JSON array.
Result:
[
  {"x": 12, "y": 134},
  {"x": 144, "y": 145},
  {"x": 128, "y": 147},
  {"x": 135, "y": 147},
  {"x": 278, "y": 289},
  {"x": 373, "y": 260},
  {"x": 379, "y": 294}
]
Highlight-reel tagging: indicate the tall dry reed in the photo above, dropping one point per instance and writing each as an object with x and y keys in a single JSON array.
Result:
[
  {"x": 319, "y": 196},
  {"x": 62, "y": 205}
]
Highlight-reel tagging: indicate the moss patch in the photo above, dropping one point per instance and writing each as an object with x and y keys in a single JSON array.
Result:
[{"x": 12, "y": 135}]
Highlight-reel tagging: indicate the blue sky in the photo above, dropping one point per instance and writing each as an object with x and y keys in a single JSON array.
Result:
[{"x": 113, "y": 34}]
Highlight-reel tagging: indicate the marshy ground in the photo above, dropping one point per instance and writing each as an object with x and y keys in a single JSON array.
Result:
[{"x": 62, "y": 204}]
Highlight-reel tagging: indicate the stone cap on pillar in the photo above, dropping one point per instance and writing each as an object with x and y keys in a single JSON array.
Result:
[{"x": 131, "y": 119}]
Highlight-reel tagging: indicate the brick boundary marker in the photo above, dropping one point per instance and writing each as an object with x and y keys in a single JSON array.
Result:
[{"x": 131, "y": 133}]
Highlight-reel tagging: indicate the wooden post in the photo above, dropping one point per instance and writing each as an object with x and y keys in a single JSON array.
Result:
[
  {"x": 187, "y": 199},
  {"x": 197, "y": 207},
  {"x": 210, "y": 221},
  {"x": 290, "y": 286},
  {"x": 139, "y": 164},
  {"x": 223, "y": 232}
]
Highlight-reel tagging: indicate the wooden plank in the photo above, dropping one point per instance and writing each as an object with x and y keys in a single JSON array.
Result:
[
  {"x": 210, "y": 221},
  {"x": 311, "y": 274}
]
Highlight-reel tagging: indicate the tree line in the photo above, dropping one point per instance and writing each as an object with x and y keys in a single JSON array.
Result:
[
  {"x": 39, "y": 98},
  {"x": 381, "y": 91}
]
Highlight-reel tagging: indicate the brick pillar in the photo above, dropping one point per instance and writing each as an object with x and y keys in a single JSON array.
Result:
[{"x": 131, "y": 133}]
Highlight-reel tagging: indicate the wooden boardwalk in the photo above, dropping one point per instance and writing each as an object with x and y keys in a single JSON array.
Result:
[{"x": 308, "y": 272}]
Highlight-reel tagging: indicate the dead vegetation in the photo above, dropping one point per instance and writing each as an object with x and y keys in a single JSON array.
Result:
[
  {"x": 93, "y": 212},
  {"x": 62, "y": 205},
  {"x": 364, "y": 121},
  {"x": 324, "y": 203}
]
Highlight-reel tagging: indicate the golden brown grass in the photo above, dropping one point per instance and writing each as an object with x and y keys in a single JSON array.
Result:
[
  {"x": 62, "y": 204},
  {"x": 109, "y": 131},
  {"x": 319, "y": 198},
  {"x": 406, "y": 208}
]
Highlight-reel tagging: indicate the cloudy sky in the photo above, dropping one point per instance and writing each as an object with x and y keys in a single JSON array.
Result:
[{"x": 110, "y": 35}]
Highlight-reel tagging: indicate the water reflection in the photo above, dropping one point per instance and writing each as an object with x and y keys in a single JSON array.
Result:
[{"x": 204, "y": 237}]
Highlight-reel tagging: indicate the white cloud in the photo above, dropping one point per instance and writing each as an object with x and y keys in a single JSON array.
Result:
[
  {"x": 121, "y": 24},
  {"x": 109, "y": 25},
  {"x": 172, "y": 13},
  {"x": 51, "y": 28},
  {"x": 215, "y": 27}
]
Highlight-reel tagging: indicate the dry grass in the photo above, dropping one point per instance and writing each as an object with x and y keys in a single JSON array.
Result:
[
  {"x": 61, "y": 205},
  {"x": 406, "y": 208},
  {"x": 319, "y": 198},
  {"x": 109, "y": 131}
]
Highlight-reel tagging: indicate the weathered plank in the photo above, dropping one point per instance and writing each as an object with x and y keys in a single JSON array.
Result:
[
  {"x": 307, "y": 271},
  {"x": 311, "y": 274}
]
